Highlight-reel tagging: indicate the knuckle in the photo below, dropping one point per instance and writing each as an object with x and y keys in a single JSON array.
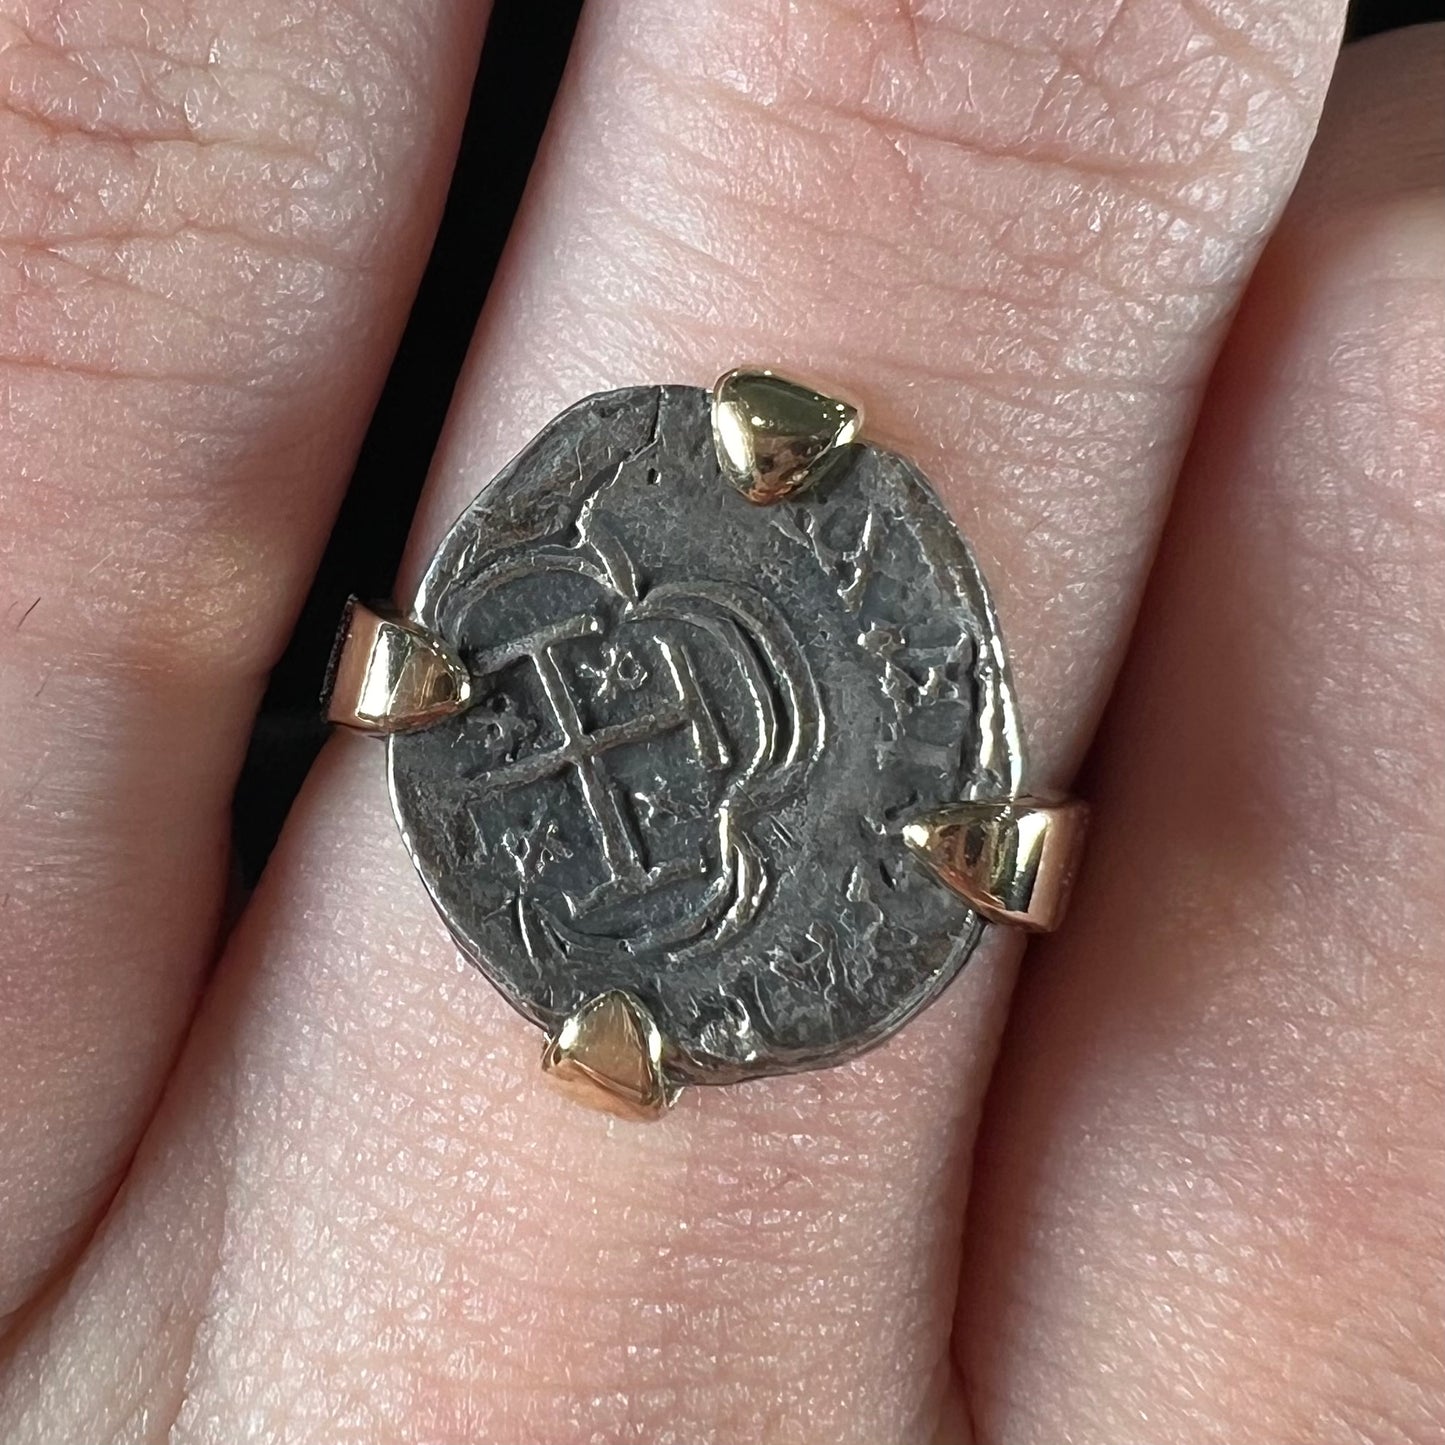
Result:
[
  {"x": 190, "y": 215},
  {"x": 179, "y": 193},
  {"x": 842, "y": 109},
  {"x": 1051, "y": 207}
]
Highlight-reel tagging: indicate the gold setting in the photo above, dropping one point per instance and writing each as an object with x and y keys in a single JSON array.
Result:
[
  {"x": 1013, "y": 861},
  {"x": 774, "y": 436},
  {"x": 388, "y": 675},
  {"x": 608, "y": 1055}
]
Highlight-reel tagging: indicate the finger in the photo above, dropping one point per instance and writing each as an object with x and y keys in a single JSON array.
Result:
[
  {"x": 1210, "y": 1194},
  {"x": 211, "y": 223},
  {"x": 1017, "y": 232}
]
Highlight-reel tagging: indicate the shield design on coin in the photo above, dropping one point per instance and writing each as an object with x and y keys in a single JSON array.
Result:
[
  {"x": 700, "y": 727},
  {"x": 576, "y": 710}
]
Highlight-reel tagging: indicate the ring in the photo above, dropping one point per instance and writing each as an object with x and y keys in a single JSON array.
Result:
[{"x": 702, "y": 738}]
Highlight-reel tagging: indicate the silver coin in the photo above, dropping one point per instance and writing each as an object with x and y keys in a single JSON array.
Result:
[{"x": 699, "y": 730}]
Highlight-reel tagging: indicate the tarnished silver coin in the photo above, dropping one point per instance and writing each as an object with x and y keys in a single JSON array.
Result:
[
  {"x": 703, "y": 741},
  {"x": 696, "y": 732}
]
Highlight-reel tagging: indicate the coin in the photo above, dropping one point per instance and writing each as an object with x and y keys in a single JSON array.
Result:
[{"x": 699, "y": 729}]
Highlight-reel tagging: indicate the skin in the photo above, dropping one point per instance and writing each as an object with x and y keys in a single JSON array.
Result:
[{"x": 1200, "y": 1197}]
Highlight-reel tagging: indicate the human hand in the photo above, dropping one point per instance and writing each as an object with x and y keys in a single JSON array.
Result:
[{"x": 1202, "y": 1199}]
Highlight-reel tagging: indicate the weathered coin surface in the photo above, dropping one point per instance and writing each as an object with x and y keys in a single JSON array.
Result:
[{"x": 700, "y": 728}]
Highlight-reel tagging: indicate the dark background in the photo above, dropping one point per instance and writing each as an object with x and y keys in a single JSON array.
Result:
[{"x": 521, "y": 65}]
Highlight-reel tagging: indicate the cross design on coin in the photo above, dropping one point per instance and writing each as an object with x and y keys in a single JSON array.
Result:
[{"x": 583, "y": 751}]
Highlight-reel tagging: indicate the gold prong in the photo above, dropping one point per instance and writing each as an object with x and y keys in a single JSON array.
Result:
[
  {"x": 1011, "y": 860},
  {"x": 388, "y": 675},
  {"x": 775, "y": 436},
  {"x": 608, "y": 1055}
]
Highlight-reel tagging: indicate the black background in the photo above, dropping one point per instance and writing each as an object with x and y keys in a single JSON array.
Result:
[{"x": 520, "y": 68}]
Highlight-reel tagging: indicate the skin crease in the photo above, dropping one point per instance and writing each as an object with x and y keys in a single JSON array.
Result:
[{"x": 357, "y": 1217}]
